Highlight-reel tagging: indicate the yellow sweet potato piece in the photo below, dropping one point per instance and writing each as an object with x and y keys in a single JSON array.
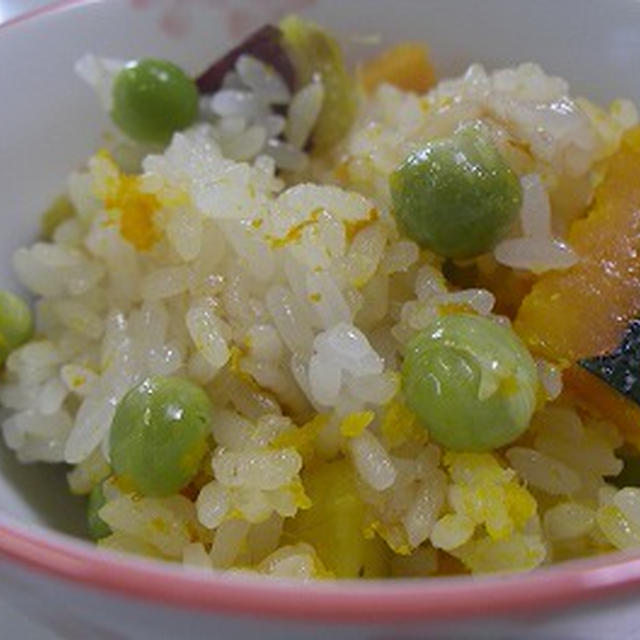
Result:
[{"x": 334, "y": 525}]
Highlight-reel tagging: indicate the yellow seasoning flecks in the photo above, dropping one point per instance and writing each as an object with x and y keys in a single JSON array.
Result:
[
  {"x": 353, "y": 227},
  {"x": 394, "y": 536},
  {"x": 136, "y": 209},
  {"x": 302, "y": 438},
  {"x": 488, "y": 493},
  {"x": 235, "y": 355},
  {"x": 159, "y": 525},
  {"x": 452, "y": 308},
  {"x": 521, "y": 505},
  {"x": 341, "y": 172},
  {"x": 354, "y": 424},
  {"x": 300, "y": 497},
  {"x": 399, "y": 424},
  {"x": 294, "y": 234},
  {"x": 77, "y": 381}
]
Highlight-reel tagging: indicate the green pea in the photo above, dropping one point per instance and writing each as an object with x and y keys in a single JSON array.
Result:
[
  {"x": 152, "y": 99},
  {"x": 471, "y": 382},
  {"x": 159, "y": 435},
  {"x": 98, "y": 528},
  {"x": 456, "y": 196},
  {"x": 313, "y": 51},
  {"x": 16, "y": 323}
]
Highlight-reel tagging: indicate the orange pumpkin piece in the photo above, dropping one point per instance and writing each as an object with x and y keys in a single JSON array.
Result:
[
  {"x": 597, "y": 396},
  {"x": 406, "y": 66},
  {"x": 584, "y": 311}
]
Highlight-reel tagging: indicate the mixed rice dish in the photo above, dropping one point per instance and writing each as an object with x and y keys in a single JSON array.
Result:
[{"x": 312, "y": 321}]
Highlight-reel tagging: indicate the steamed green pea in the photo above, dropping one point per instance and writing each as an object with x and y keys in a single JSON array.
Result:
[
  {"x": 456, "y": 196},
  {"x": 471, "y": 382},
  {"x": 159, "y": 435},
  {"x": 98, "y": 528},
  {"x": 152, "y": 99},
  {"x": 16, "y": 323}
]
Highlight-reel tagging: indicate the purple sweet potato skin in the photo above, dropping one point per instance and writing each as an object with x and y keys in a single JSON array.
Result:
[{"x": 264, "y": 44}]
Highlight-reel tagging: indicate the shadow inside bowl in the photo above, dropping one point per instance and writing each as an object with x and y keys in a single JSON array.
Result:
[{"x": 40, "y": 494}]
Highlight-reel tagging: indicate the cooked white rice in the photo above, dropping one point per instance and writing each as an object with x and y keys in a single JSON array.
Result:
[{"x": 290, "y": 303}]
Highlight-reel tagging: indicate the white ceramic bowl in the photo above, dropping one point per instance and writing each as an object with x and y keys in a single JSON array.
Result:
[{"x": 50, "y": 123}]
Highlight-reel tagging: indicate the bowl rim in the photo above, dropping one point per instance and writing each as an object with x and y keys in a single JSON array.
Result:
[
  {"x": 77, "y": 562},
  {"x": 53, "y": 6},
  {"x": 544, "y": 591}
]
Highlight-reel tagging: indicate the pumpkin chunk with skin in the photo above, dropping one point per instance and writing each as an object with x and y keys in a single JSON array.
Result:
[
  {"x": 406, "y": 66},
  {"x": 592, "y": 393},
  {"x": 584, "y": 311}
]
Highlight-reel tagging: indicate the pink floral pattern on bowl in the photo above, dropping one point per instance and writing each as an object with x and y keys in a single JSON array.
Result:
[{"x": 176, "y": 18}]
